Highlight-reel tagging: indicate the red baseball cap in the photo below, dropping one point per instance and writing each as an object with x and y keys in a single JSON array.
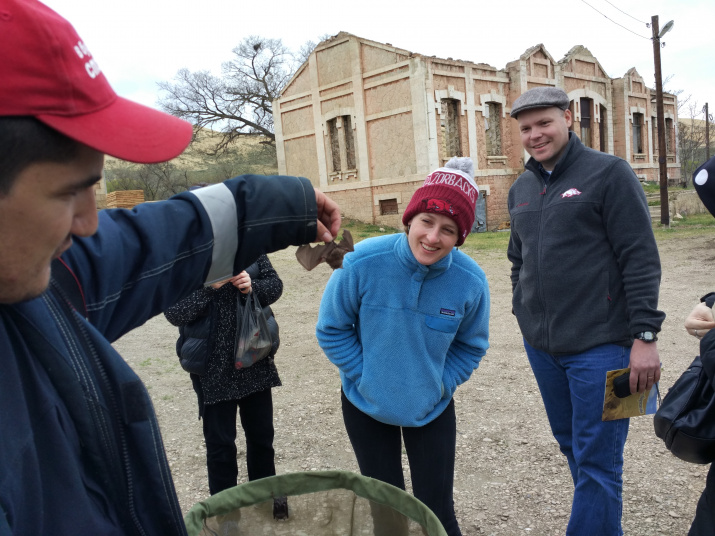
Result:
[{"x": 48, "y": 73}]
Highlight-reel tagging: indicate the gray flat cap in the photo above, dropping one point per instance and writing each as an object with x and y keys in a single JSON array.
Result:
[{"x": 540, "y": 97}]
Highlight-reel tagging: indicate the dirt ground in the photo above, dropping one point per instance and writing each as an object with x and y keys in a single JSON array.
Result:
[{"x": 510, "y": 476}]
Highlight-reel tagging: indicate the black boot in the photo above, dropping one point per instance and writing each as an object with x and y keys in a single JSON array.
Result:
[{"x": 280, "y": 508}]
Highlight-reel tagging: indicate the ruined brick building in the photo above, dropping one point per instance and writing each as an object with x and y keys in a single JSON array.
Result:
[{"x": 366, "y": 122}]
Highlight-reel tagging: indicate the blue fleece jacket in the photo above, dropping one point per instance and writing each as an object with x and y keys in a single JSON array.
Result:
[{"x": 403, "y": 335}]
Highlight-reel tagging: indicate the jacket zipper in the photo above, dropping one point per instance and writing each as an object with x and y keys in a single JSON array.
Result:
[
  {"x": 126, "y": 465},
  {"x": 84, "y": 340},
  {"x": 544, "y": 324}
]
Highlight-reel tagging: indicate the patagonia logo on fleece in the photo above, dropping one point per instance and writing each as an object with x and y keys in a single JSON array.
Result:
[
  {"x": 570, "y": 193},
  {"x": 448, "y": 312}
]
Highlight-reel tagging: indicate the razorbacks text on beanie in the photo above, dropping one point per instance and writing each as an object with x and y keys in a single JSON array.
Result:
[{"x": 451, "y": 191}]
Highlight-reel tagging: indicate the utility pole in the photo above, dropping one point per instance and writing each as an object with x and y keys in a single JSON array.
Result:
[{"x": 660, "y": 119}]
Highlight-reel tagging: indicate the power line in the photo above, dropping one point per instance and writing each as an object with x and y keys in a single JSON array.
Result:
[
  {"x": 631, "y": 16},
  {"x": 614, "y": 22}
]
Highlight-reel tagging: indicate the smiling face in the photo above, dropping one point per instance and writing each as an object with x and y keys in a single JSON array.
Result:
[
  {"x": 431, "y": 237},
  {"x": 47, "y": 203},
  {"x": 545, "y": 134}
]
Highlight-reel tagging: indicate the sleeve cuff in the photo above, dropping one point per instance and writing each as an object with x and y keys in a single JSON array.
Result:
[{"x": 708, "y": 299}]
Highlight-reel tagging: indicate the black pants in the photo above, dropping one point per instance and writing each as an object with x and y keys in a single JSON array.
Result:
[
  {"x": 704, "y": 522},
  {"x": 430, "y": 452},
  {"x": 256, "y": 412}
]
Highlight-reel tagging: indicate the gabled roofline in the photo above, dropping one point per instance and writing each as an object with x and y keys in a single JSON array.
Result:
[{"x": 581, "y": 51}]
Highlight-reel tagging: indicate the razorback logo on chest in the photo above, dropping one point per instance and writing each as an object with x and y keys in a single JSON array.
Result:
[{"x": 571, "y": 192}]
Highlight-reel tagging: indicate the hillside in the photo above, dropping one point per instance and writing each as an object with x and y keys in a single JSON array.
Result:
[{"x": 247, "y": 154}]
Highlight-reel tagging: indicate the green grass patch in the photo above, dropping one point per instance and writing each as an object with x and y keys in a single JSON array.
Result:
[
  {"x": 497, "y": 241},
  {"x": 489, "y": 241},
  {"x": 651, "y": 187},
  {"x": 693, "y": 225},
  {"x": 366, "y": 230}
]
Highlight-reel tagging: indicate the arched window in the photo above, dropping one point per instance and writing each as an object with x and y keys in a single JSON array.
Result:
[
  {"x": 449, "y": 123},
  {"x": 669, "y": 148},
  {"x": 586, "y": 121},
  {"x": 637, "y": 133},
  {"x": 492, "y": 128},
  {"x": 603, "y": 130},
  {"x": 342, "y": 143}
]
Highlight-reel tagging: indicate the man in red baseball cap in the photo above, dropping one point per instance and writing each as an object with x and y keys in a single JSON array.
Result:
[{"x": 80, "y": 451}]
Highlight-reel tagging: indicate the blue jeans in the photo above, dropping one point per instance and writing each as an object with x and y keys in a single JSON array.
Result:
[{"x": 572, "y": 388}]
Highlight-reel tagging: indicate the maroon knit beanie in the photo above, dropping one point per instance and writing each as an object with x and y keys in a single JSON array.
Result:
[{"x": 451, "y": 191}]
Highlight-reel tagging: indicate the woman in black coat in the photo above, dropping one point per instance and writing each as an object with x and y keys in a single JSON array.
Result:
[{"x": 207, "y": 321}]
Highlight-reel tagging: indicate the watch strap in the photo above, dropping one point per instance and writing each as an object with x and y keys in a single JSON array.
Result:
[{"x": 643, "y": 337}]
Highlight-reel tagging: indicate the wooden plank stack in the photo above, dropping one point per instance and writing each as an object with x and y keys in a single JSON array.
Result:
[{"x": 125, "y": 198}]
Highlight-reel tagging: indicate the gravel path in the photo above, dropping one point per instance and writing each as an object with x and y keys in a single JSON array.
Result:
[{"x": 511, "y": 478}]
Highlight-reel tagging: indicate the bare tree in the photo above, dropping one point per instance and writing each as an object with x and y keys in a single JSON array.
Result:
[
  {"x": 171, "y": 179},
  {"x": 691, "y": 134},
  {"x": 157, "y": 181},
  {"x": 238, "y": 102},
  {"x": 308, "y": 47},
  {"x": 691, "y": 140},
  {"x": 121, "y": 176}
]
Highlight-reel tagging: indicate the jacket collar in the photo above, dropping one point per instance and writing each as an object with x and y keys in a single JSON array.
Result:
[{"x": 417, "y": 270}]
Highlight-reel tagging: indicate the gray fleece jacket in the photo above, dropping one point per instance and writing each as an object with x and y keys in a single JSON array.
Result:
[{"x": 585, "y": 265}]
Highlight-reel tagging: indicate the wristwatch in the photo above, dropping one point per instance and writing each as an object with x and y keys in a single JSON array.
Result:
[{"x": 646, "y": 336}]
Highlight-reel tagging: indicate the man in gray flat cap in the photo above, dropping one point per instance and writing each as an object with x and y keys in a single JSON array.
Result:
[{"x": 585, "y": 278}]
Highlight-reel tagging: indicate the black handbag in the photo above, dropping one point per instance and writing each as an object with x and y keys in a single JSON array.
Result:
[
  {"x": 194, "y": 345},
  {"x": 272, "y": 329},
  {"x": 686, "y": 417}
]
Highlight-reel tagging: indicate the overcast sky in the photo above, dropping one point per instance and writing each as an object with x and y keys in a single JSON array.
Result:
[{"x": 138, "y": 43}]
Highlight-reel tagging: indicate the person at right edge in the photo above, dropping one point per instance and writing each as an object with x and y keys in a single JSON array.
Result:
[
  {"x": 585, "y": 278},
  {"x": 700, "y": 324}
]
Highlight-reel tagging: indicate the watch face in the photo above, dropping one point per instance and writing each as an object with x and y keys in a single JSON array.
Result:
[{"x": 647, "y": 336}]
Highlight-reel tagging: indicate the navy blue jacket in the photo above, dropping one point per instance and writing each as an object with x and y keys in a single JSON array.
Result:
[{"x": 80, "y": 448}]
